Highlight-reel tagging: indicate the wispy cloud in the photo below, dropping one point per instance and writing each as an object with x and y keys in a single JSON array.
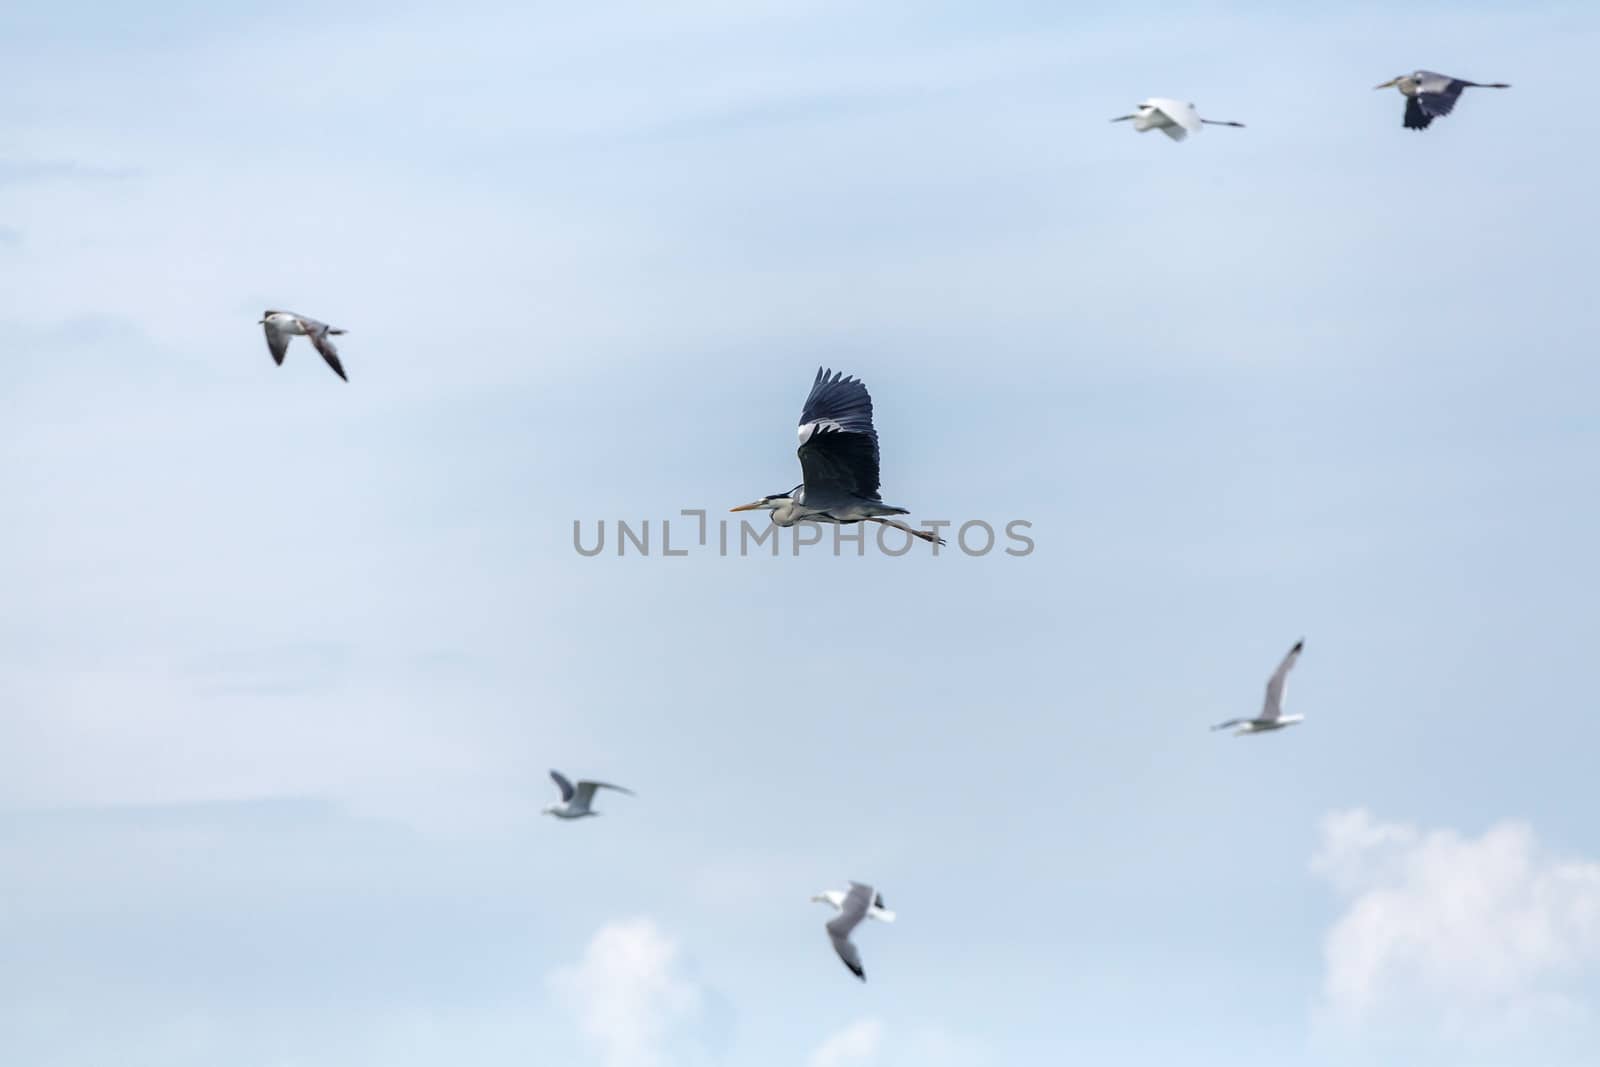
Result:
[
  {"x": 17, "y": 171},
  {"x": 1479, "y": 936},
  {"x": 630, "y": 997},
  {"x": 854, "y": 1046},
  {"x": 871, "y": 1043}
]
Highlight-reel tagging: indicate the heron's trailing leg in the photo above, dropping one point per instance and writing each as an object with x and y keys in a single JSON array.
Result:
[{"x": 933, "y": 539}]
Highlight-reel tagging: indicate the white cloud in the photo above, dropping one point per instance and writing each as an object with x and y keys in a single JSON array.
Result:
[
  {"x": 856, "y": 1044},
  {"x": 870, "y": 1043},
  {"x": 1478, "y": 936},
  {"x": 630, "y": 999}
]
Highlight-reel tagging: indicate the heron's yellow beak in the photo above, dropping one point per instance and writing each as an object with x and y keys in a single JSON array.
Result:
[
  {"x": 1391, "y": 83},
  {"x": 752, "y": 506}
]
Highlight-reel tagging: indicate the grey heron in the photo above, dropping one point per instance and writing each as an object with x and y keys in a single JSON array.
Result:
[
  {"x": 836, "y": 898},
  {"x": 280, "y": 326},
  {"x": 576, "y": 799},
  {"x": 1272, "y": 716},
  {"x": 838, "y": 462},
  {"x": 1172, "y": 117},
  {"x": 1429, "y": 94},
  {"x": 855, "y": 906}
]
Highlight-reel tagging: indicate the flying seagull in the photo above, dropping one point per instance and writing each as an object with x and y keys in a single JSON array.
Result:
[
  {"x": 855, "y": 906},
  {"x": 836, "y": 897},
  {"x": 282, "y": 325},
  {"x": 1172, "y": 117},
  {"x": 1272, "y": 716},
  {"x": 838, "y": 461},
  {"x": 1430, "y": 95},
  {"x": 575, "y": 800}
]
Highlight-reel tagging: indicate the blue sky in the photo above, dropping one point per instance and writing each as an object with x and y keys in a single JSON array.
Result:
[{"x": 283, "y": 662}]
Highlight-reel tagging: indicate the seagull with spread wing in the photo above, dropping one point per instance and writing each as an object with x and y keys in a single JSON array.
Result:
[
  {"x": 838, "y": 461},
  {"x": 854, "y": 907},
  {"x": 836, "y": 898},
  {"x": 575, "y": 799},
  {"x": 1272, "y": 716},
  {"x": 280, "y": 326}
]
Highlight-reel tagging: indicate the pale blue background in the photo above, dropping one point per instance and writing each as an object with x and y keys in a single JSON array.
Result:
[{"x": 283, "y": 661}]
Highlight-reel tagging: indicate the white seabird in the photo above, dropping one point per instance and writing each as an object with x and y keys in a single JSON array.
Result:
[
  {"x": 575, "y": 800},
  {"x": 280, "y": 326},
  {"x": 852, "y": 909},
  {"x": 1172, "y": 117},
  {"x": 1272, "y": 716}
]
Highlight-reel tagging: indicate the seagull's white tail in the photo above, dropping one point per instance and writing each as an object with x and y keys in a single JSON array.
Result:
[{"x": 883, "y": 915}]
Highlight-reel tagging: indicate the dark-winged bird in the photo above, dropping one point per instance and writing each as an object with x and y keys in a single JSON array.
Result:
[
  {"x": 1430, "y": 95},
  {"x": 839, "y": 462},
  {"x": 282, "y": 325}
]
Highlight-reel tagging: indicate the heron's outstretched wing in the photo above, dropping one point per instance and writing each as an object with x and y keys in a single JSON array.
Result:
[
  {"x": 318, "y": 332},
  {"x": 277, "y": 341},
  {"x": 1185, "y": 115},
  {"x": 838, "y": 401},
  {"x": 1436, "y": 95},
  {"x": 586, "y": 791},
  {"x": 1273, "y": 706},
  {"x": 838, "y": 445},
  {"x": 1185, "y": 118},
  {"x": 836, "y": 463},
  {"x": 563, "y": 785},
  {"x": 1416, "y": 118},
  {"x": 1434, "y": 105},
  {"x": 854, "y": 909}
]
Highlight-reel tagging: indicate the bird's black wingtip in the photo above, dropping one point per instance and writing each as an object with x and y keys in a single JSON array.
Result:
[{"x": 1298, "y": 645}]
